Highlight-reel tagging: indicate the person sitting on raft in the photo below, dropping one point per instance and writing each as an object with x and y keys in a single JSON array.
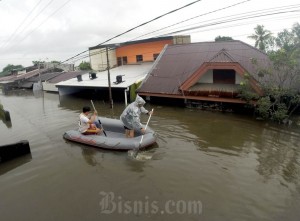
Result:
[
  {"x": 87, "y": 124},
  {"x": 131, "y": 117}
]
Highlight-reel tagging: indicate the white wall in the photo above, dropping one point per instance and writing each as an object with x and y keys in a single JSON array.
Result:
[
  {"x": 207, "y": 78},
  {"x": 22, "y": 72},
  {"x": 49, "y": 87},
  {"x": 182, "y": 39},
  {"x": 99, "y": 61},
  {"x": 65, "y": 67}
]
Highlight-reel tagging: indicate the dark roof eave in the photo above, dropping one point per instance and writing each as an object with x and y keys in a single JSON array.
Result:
[
  {"x": 132, "y": 42},
  {"x": 89, "y": 87},
  {"x": 178, "y": 96}
]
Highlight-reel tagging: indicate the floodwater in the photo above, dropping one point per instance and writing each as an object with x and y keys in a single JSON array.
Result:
[{"x": 205, "y": 166}]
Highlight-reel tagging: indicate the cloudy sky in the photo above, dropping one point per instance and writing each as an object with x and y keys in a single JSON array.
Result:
[{"x": 59, "y": 29}]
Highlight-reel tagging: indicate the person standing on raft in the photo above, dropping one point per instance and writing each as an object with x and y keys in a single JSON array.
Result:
[{"x": 131, "y": 117}]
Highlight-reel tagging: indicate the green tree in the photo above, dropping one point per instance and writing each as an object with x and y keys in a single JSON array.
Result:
[
  {"x": 35, "y": 63},
  {"x": 10, "y": 67},
  {"x": 285, "y": 40},
  {"x": 296, "y": 48},
  {"x": 85, "y": 66},
  {"x": 296, "y": 32},
  {"x": 281, "y": 80},
  {"x": 55, "y": 62},
  {"x": 263, "y": 38},
  {"x": 223, "y": 38},
  {"x": 245, "y": 90},
  {"x": 286, "y": 62}
]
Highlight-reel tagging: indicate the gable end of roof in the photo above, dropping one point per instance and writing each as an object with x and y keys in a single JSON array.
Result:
[{"x": 222, "y": 56}]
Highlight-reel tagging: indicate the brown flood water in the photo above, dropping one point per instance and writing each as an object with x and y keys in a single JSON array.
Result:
[{"x": 205, "y": 166}]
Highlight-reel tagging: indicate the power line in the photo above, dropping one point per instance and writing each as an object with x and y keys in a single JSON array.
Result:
[
  {"x": 226, "y": 21},
  {"x": 42, "y": 23},
  {"x": 230, "y": 6},
  {"x": 95, "y": 53},
  {"x": 32, "y": 20},
  {"x": 247, "y": 23},
  {"x": 170, "y": 12},
  {"x": 206, "y": 25},
  {"x": 257, "y": 12},
  {"x": 12, "y": 35},
  {"x": 151, "y": 52}
]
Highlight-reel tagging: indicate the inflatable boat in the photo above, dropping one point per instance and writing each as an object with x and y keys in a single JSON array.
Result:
[{"x": 115, "y": 137}]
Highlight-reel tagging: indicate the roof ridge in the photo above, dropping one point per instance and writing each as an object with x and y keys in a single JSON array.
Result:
[
  {"x": 212, "y": 42},
  {"x": 252, "y": 47},
  {"x": 222, "y": 52}
]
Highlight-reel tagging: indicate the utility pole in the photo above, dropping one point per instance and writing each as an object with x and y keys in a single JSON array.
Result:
[
  {"x": 39, "y": 71},
  {"x": 38, "y": 85},
  {"x": 108, "y": 73}
]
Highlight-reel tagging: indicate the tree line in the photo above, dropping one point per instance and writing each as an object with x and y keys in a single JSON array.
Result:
[
  {"x": 7, "y": 70},
  {"x": 281, "y": 80}
]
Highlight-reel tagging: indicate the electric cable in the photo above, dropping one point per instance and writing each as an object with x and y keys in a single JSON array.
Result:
[
  {"x": 156, "y": 18},
  {"x": 12, "y": 35},
  {"x": 32, "y": 20}
]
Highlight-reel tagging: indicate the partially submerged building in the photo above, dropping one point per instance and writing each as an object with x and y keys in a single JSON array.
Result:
[
  {"x": 31, "y": 75},
  {"x": 124, "y": 80},
  {"x": 204, "y": 72},
  {"x": 15, "y": 80},
  {"x": 129, "y": 63},
  {"x": 50, "y": 83}
]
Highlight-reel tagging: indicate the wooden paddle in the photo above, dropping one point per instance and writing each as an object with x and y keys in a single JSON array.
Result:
[
  {"x": 99, "y": 119},
  {"x": 136, "y": 152}
]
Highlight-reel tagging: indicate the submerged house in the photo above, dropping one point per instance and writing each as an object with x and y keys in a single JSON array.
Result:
[
  {"x": 123, "y": 80},
  {"x": 204, "y": 72},
  {"x": 17, "y": 79}
]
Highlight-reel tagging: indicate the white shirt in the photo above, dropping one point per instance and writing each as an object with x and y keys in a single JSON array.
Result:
[{"x": 83, "y": 123}]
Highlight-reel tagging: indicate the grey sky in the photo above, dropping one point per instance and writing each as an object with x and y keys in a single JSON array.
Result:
[{"x": 67, "y": 27}]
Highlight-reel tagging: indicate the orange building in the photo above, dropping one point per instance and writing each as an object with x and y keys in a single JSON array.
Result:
[
  {"x": 138, "y": 52},
  {"x": 145, "y": 50}
]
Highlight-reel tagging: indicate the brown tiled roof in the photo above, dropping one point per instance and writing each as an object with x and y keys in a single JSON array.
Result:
[
  {"x": 222, "y": 56},
  {"x": 179, "y": 62},
  {"x": 28, "y": 83},
  {"x": 22, "y": 76},
  {"x": 44, "y": 76}
]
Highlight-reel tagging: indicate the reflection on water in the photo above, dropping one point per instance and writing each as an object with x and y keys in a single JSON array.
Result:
[
  {"x": 240, "y": 169},
  {"x": 8, "y": 124},
  {"x": 279, "y": 154},
  {"x": 12, "y": 164}
]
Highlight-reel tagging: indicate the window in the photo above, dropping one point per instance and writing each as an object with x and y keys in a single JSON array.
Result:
[
  {"x": 155, "y": 56},
  {"x": 139, "y": 58},
  {"x": 119, "y": 61},
  {"x": 124, "y": 60},
  {"x": 224, "y": 76}
]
